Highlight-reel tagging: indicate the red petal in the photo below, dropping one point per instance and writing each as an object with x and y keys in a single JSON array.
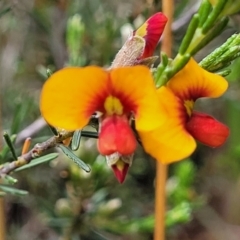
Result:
[
  {"x": 116, "y": 136},
  {"x": 207, "y": 129},
  {"x": 151, "y": 31},
  {"x": 120, "y": 170}
]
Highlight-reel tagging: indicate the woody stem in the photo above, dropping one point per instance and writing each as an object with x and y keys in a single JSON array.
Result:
[{"x": 161, "y": 169}]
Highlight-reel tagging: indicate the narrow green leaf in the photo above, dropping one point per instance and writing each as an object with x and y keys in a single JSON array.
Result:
[
  {"x": 48, "y": 72},
  {"x": 224, "y": 73},
  {"x": 204, "y": 12},
  {"x": 177, "y": 67},
  {"x": 189, "y": 34},
  {"x": 9, "y": 180},
  {"x": 76, "y": 140},
  {"x": 38, "y": 161},
  {"x": 214, "y": 32},
  {"x": 89, "y": 134},
  {"x": 13, "y": 191},
  {"x": 5, "y": 149},
  {"x": 158, "y": 73},
  {"x": 164, "y": 59},
  {"x": 68, "y": 152},
  {"x": 213, "y": 16},
  {"x": 10, "y": 145}
]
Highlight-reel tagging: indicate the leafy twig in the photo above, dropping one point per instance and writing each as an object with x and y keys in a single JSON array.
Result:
[{"x": 35, "y": 152}]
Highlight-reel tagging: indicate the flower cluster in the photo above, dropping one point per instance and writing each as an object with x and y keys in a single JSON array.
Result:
[{"x": 130, "y": 108}]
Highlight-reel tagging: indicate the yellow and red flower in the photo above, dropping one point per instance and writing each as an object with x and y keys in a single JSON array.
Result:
[
  {"x": 72, "y": 95},
  {"x": 175, "y": 139}
]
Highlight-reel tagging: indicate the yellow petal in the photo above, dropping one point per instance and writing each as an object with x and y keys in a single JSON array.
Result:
[
  {"x": 71, "y": 95},
  {"x": 169, "y": 142},
  {"x": 193, "y": 82},
  {"x": 135, "y": 88}
]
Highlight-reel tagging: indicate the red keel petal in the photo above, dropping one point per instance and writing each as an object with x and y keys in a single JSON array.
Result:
[
  {"x": 207, "y": 129},
  {"x": 116, "y": 136}
]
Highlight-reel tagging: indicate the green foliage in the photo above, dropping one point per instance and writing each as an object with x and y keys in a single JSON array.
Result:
[
  {"x": 6, "y": 149},
  {"x": 222, "y": 56},
  {"x": 68, "y": 152},
  {"x": 37, "y": 161},
  {"x": 10, "y": 145},
  {"x": 13, "y": 191}
]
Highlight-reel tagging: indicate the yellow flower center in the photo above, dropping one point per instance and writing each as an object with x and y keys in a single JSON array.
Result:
[
  {"x": 113, "y": 105},
  {"x": 188, "y": 104}
]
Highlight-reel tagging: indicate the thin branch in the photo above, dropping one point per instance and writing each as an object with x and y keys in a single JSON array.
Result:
[{"x": 35, "y": 152}]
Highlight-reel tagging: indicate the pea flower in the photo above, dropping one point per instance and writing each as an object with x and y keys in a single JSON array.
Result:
[
  {"x": 72, "y": 95},
  {"x": 175, "y": 139}
]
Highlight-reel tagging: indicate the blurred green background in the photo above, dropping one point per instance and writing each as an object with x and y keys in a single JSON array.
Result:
[{"x": 66, "y": 203}]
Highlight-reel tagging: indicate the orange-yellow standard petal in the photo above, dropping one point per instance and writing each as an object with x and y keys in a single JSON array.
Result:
[
  {"x": 70, "y": 96},
  {"x": 135, "y": 88},
  {"x": 194, "y": 82},
  {"x": 171, "y": 141}
]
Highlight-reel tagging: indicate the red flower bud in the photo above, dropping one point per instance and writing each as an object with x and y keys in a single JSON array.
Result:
[{"x": 151, "y": 31}]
